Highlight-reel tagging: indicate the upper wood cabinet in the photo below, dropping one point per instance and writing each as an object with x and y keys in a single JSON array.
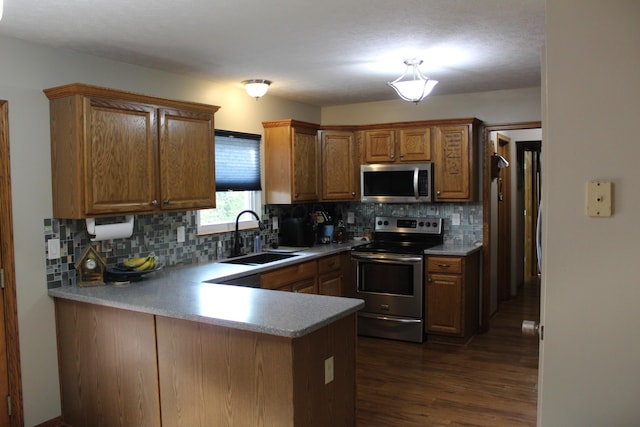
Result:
[
  {"x": 396, "y": 145},
  {"x": 291, "y": 162},
  {"x": 455, "y": 159},
  {"x": 339, "y": 165},
  {"x": 115, "y": 153}
]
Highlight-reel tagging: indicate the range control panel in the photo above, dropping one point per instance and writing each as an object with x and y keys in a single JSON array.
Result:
[{"x": 426, "y": 225}]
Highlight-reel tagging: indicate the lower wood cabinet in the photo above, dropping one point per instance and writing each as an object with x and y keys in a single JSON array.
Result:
[
  {"x": 326, "y": 276},
  {"x": 452, "y": 295},
  {"x": 331, "y": 275},
  {"x": 296, "y": 278}
]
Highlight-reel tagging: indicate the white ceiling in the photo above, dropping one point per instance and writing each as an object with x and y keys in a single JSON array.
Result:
[{"x": 327, "y": 52}]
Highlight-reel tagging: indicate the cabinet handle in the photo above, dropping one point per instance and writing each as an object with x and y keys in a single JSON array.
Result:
[
  {"x": 296, "y": 195},
  {"x": 401, "y": 155},
  {"x": 444, "y": 265},
  {"x": 154, "y": 202},
  {"x": 165, "y": 201},
  {"x": 391, "y": 156},
  {"x": 438, "y": 192},
  {"x": 429, "y": 279},
  {"x": 353, "y": 193}
]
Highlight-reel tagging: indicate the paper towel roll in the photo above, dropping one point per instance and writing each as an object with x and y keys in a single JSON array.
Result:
[{"x": 110, "y": 231}]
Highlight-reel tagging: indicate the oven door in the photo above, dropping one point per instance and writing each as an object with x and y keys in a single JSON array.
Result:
[{"x": 389, "y": 284}]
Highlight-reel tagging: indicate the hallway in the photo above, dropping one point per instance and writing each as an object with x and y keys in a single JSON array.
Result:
[{"x": 492, "y": 381}]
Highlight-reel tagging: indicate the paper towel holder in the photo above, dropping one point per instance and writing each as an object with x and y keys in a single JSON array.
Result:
[{"x": 119, "y": 230}]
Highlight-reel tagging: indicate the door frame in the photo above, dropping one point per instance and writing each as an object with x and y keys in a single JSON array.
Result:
[
  {"x": 487, "y": 150},
  {"x": 7, "y": 261}
]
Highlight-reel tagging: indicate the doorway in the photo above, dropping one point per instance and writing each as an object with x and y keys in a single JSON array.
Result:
[
  {"x": 10, "y": 377},
  {"x": 492, "y": 295}
]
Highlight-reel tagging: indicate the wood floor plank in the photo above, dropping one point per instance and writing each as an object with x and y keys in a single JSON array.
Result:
[{"x": 490, "y": 381}]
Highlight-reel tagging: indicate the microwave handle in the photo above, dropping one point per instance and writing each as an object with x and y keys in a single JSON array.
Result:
[{"x": 416, "y": 190}]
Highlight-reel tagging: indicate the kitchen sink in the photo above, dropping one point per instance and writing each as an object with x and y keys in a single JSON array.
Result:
[{"x": 258, "y": 259}]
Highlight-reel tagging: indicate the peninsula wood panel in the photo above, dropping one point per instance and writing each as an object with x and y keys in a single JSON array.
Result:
[
  {"x": 107, "y": 365},
  {"x": 215, "y": 376}
]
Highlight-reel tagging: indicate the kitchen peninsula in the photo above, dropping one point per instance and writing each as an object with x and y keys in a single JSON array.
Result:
[{"x": 177, "y": 350}]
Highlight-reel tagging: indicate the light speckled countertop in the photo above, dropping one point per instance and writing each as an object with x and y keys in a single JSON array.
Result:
[
  {"x": 455, "y": 250},
  {"x": 185, "y": 293}
]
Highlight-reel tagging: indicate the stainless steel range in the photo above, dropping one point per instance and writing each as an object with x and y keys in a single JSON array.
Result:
[{"x": 388, "y": 274}]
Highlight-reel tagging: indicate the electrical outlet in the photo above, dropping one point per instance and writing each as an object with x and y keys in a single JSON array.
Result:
[
  {"x": 53, "y": 248},
  {"x": 180, "y": 234},
  {"x": 274, "y": 223},
  {"x": 328, "y": 370},
  {"x": 351, "y": 218},
  {"x": 455, "y": 219}
]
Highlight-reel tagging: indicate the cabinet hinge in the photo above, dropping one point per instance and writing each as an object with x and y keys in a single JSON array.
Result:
[
  {"x": 9, "y": 404},
  {"x": 2, "y": 278}
]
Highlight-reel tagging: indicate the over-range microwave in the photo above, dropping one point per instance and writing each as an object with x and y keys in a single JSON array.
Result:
[{"x": 397, "y": 183}]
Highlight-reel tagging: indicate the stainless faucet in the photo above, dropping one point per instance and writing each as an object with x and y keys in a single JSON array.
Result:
[{"x": 236, "y": 244}]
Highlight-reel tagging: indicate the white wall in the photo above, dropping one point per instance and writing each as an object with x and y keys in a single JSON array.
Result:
[
  {"x": 25, "y": 70},
  {"x": 590, "y": 355},
  {"x": 496, "y": 107}
]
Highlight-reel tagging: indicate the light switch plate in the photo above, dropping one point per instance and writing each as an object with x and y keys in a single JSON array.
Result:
[
  {"x": 180, "y": 234},
  {"x": 53, "y": 251},
  {"x": 599, "y": 198},
  {"x": 455, "y": 219},
  {"x": 274, "y": 223}
]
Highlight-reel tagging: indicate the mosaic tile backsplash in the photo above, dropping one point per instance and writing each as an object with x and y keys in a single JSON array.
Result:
[{"x": 157, "y": 233}]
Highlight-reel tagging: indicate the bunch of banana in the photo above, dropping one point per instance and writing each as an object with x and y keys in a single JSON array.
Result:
[{"x": 141, "y": 263}]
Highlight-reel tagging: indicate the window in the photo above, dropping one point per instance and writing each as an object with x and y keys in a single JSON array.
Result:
[{"x": 237, "y": 183}]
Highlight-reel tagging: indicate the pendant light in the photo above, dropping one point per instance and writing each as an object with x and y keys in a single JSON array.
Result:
[
  {"x": 413, "y": 86},
  {"x": 256, "y": 87}
]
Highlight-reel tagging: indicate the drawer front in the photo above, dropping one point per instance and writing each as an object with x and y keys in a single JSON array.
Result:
[
  {"x": 444, "y": 265},
  {"x": 288, "y": 275},
  {"x": 330, "y": 263}
]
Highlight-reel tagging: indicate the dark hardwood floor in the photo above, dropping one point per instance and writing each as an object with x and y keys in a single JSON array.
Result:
[{"x": 490, "y": 381}]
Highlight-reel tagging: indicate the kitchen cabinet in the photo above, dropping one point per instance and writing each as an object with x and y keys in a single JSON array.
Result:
[
  {"x": 291, "y": 162},
  {"x": 452, "y": 295},
  {"x": 301, "y": 277},
  {"x": 333, "y": 274},
  {"x": 456, "y": 163},
  {"x": 339, "y": 165},
  {"x": 116, "y": 153},
  {"x": 397, "y": 145}
]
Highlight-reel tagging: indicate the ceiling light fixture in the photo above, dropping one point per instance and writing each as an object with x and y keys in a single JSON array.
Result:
[
  {"x": 256, "y": 87},
  {"x": 413, "y": 86}
]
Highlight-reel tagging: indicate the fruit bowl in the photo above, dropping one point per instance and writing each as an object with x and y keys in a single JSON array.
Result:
[{"x": 121, "y": 272}]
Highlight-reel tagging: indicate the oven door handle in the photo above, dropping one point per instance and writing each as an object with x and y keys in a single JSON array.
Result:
[
  {"x": 371, "y": 256},
  {"x": 395, "y": 319}
]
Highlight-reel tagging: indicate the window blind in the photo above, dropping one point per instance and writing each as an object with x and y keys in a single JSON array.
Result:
[{"x": 237, "y": 161}]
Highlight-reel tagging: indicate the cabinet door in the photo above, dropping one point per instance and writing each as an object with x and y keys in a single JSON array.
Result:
[
  {"x": 187, "y": 159},
  {"x": 305, "y": 166},
  {"x": 379, "y": 146},
  {"x": 452, "y": 170},
  {"x": 444, "y": 303},
  {"x": 415, "y": 145},
  {"x": 331, "y": 284},
  {"x": 120, "y": 149},
  {"x": 307, "y": 286},
  {"x": 338, "y": 160}
]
